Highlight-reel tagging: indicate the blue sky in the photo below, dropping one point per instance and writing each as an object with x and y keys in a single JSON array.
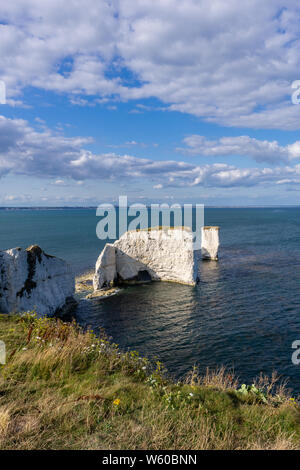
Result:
[{"x": 169, "y": 101}]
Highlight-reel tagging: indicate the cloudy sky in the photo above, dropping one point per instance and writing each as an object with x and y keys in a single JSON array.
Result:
[{"x": 161, "y": 100}]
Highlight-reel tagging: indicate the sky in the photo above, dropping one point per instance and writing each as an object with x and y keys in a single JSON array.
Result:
[{"x": 170, "y": 101}]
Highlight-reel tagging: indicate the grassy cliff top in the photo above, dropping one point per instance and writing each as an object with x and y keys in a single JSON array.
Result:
[{"x": 65, "y": 389}]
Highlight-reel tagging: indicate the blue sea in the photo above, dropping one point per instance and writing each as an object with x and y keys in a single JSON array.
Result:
[{"x": 244, "y": 314}]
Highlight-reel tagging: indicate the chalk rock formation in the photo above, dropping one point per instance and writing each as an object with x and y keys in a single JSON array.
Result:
[
  {"x": 156, "y": 254},
  {"x": 31, "y": 279},
  {"x": 210, "y": 243},
  {"x": 106, "y": 272}
]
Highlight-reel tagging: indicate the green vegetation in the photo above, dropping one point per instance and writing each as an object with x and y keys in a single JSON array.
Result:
[{"x": 65, "y": 389}]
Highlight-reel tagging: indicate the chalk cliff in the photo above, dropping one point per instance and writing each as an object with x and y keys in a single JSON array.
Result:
[
  {"x": 156, "y": 254},
  {"x": 31, "y": 279}
]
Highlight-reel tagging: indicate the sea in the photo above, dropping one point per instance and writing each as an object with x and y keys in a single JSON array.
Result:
[{"x": 244, "y": 314}]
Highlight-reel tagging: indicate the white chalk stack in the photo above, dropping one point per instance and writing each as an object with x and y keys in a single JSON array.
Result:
[
  {"x": 106, "y": 268},
  {"x": 158, "y": 254},
  {"x": 161, "y": 254},
  {"x": 210, "y": 243}
]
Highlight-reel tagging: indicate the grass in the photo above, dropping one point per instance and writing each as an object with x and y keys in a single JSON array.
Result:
[{"x": 62, "y": 388}]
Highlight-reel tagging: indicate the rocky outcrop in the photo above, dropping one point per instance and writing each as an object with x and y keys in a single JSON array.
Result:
[
  {"x": 106, "y": 268},
  {"x": 31, "y": 279},
  {"x": 210, "y": 243},
  {"x": 156, "y": 254}
]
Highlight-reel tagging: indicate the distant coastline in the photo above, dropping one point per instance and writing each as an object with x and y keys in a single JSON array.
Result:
[{"x": 277, "y": 206}]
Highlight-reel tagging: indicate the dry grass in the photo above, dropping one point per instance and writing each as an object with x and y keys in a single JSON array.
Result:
[
  {"x": 220, "y": 378},
  {"x": 65, "y": 389}
]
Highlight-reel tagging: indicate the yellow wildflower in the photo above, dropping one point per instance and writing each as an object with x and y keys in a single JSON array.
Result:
[{"x": 117, "y": 401}]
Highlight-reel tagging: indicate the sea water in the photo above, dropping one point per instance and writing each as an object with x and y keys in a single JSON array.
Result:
[{"x": 244, "y": 314}]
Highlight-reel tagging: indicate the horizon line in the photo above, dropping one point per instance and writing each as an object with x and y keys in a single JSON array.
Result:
[{"x": 212, "y": 206}]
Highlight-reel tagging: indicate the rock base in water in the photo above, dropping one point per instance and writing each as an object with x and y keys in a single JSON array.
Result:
[{"x": 103, "y": 293}]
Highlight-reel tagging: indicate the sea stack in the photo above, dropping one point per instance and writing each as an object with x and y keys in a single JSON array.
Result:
[
  {"x": 32, "y": 280},
  {"x": 210, "y": 243},
  {"x": 158, "y": 254}
]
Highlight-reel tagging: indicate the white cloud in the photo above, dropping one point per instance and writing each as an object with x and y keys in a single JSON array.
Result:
[
  {"x": 44, "y": 154},
  {"x": 259, "y": 150},
  {"x": 227, "y": 62},
  {"x": 16, "y": 198},
  {"x": 294, "y": 150},
  {"x": 129, "y": 143},
  {"x": 59, "y": 183},
  {"x": 26, "y": 151}
]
